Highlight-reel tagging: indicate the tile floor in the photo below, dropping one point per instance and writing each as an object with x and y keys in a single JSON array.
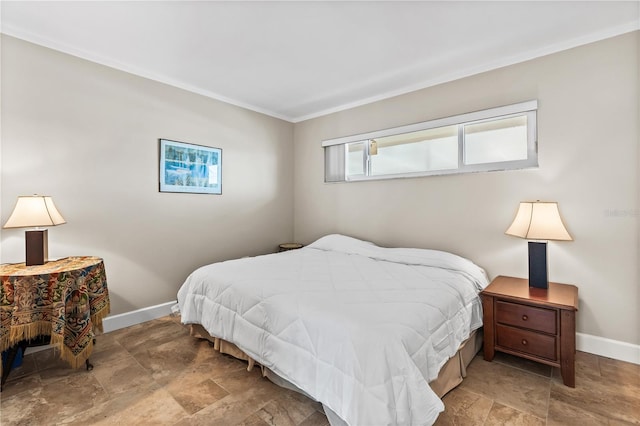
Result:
[{"x": 156, "y": 374}]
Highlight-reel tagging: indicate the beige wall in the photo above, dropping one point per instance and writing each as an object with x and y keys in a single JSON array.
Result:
[
  {"x": 88, "y": 136},
  {"x": 588, "y": 154}
]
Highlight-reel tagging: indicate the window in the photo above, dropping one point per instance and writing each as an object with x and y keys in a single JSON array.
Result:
[{"x": 496, "y": 139}]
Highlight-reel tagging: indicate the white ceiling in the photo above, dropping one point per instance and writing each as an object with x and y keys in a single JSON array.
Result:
[{"x": 298, "y": 60}]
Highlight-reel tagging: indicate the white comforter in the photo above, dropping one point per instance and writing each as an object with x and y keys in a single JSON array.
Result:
[{"x": 358, "y": 327}]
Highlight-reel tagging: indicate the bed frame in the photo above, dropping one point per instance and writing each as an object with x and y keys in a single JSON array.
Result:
[{"x": 450, "y": 376}]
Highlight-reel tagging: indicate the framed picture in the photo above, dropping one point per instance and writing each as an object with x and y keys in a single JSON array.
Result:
[{"x": 185, "y": 167}]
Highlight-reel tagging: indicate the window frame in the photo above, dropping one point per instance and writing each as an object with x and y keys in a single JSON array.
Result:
[{"x": 528, "y": 108}]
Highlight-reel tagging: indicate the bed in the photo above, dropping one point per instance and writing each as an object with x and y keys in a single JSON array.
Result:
[{"x": 360, "y": 328}]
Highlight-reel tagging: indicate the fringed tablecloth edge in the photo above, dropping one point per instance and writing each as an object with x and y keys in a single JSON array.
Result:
[
  {"x": 96, "y": 319},
  {"x": 43, "y": 328},
  {"x": 27, "y": 332},
  {"x": 66, "y": 354}
]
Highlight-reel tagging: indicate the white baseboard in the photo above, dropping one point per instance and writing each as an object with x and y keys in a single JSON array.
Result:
[
  {"x": 584, "y": 342},
  {"x": 127, "y": 319},
  {"x": 609, "y": 348}
]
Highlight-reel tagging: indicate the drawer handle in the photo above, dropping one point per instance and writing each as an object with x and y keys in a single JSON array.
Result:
[
  {"x": 524, "y": 318},
  {"x": 524, "y": 342}
]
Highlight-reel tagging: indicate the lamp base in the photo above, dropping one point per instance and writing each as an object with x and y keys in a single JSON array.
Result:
[
  {"x": 538, "y": 272},
  {"x": 36, "y": 244}
]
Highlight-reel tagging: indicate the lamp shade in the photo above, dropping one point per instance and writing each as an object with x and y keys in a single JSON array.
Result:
[
  {"x": 539, "y": 220},
  {"x": 34, "y": 211}
]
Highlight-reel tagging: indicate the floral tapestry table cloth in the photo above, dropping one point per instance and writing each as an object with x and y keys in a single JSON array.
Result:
[{"x": 66, "y": 299}]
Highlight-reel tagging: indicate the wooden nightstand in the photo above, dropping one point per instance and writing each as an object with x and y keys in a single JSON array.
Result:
[{"x": 532, "y": 323}]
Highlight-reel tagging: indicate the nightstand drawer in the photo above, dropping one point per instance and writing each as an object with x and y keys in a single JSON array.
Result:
[
  {"x": 527, "y": 342},
  {"x": 538, "y": 319}
]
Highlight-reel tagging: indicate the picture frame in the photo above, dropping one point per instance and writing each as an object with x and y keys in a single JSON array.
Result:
[{"x": 190, "y": 168}]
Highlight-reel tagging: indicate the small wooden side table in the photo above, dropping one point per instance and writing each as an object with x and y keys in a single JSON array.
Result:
[
  {"x": 65, "y": 300},
  {"x": 289, "y": 246},
  {"x": 532, "y": 323}
]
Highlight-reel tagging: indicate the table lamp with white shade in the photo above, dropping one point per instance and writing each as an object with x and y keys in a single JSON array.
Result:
[
  {"x": 35, "y": 211},
  {"x": 539, "y": 221}
]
